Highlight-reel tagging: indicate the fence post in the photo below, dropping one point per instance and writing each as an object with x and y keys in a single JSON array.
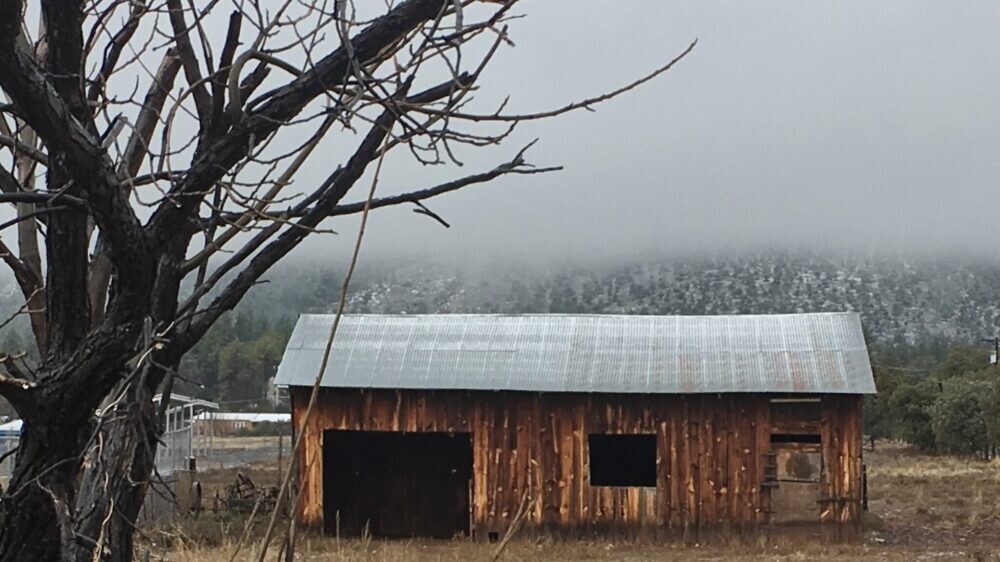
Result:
[
  {"x": 864, "y": 487},
  {"x": 293, "y": 498},
  {"x": 281, "y": 438}
]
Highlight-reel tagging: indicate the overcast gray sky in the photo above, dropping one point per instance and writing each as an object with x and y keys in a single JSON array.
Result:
[{"x": 869, "y": 125}]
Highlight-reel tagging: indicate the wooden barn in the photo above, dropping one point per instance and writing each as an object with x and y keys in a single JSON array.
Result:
[{"x": 650, "y": 427}]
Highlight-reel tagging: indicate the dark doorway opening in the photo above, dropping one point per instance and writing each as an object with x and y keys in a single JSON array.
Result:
[
  {"x": 396, "y": 484},
  {"x": 622, "y": 460}
]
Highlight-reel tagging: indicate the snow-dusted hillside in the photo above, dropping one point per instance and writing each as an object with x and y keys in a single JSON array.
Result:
[{"x": 901, "y": 301}]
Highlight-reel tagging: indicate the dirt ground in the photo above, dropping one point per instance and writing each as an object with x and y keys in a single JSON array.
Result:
[{"x": 922, "y": 508}]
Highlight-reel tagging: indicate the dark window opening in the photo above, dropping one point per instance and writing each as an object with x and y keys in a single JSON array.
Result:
[
  {"x": 622, "y": 460},
  {"x": 810, "y": 438}
]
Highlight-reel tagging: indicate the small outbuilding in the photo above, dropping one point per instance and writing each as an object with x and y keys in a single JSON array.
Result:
[{"x": 660, "y": 427}]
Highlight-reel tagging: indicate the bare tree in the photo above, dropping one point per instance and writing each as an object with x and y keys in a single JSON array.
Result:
[{"x": 150, "y": 145}]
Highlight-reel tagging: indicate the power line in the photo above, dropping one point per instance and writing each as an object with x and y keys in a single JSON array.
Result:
[{"x": 903, "y": 369}]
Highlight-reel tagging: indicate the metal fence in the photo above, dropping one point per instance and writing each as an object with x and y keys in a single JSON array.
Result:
[
  {"x": 181, "y": 438},
  {"x": 7, "y": 444}
]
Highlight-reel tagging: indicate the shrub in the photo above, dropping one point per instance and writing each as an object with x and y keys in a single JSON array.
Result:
[
  {"x": 265, "y": 429},
  {"x": 957, "y": 416},
  {"x": 910, "y": 405}
]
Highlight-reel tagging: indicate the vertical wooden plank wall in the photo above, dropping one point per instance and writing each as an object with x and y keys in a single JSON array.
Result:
[
  {"x": 841, "y": 434},
  {"x": 382, "y": 410},
  {"x": 533, "y": 447}
]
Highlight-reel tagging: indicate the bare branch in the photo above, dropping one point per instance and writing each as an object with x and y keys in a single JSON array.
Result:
[
  {"x": 15, "y": 386},
  {"x": 29, "y": 280},
  {"x": 20, "y": 147},
  {"x": 222, "y": 75},
  {"x": 585, "y": 104},
  {"x": 372, "y": 44},
  {"x": 423, "y": 210},
  {"x": 149, "y": 116},
  {"x": 189, "y": 60},
  {"x": 41, "y": 197},
  {"x": 516, "y": 166},
  {"x": 37, "y": 213},
  {"x": 240, "y": 222},
  {"x": 115, "y": 48},
  {"x": 341, "y": 182}
]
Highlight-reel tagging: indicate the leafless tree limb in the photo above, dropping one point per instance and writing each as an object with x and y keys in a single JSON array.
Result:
[{"x": 169, "y": 201}]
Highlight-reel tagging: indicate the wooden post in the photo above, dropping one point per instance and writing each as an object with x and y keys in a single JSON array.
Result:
[
  {"x": 211, "y": 432},
  {"x": 280, "y": 472},
  {"x": 183, "y": 485},
  {"x": 864, "y": 487}
]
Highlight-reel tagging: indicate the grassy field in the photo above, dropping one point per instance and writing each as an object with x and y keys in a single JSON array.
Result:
[{"x": 922, "y": 508}]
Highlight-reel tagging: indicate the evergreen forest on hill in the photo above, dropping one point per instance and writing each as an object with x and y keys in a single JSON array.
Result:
[{"x": 924, "y": 319}]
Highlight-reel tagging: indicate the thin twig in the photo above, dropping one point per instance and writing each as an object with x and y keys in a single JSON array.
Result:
[
  {"x": 585, "y": 104},
  {"x": 515, "y": 525},
  {"x": 341, "y": 304}
]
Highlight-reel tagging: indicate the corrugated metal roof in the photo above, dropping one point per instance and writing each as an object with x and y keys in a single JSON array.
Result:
[{"x": 822, "y": 352}]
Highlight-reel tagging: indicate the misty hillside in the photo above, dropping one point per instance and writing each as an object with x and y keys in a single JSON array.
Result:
[{"x": 900, "y": 301}]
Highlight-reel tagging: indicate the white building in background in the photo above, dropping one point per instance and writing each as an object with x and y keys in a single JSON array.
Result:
[
  {"x": 10, "y": 436},
  {"x": 276, "y": 395},
  {"x": 227, "y": 423}
]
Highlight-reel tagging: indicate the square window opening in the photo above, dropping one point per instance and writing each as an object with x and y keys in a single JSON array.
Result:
[
  {"x": 807, "y": 438},
  {"x": 622, "y": 460}
]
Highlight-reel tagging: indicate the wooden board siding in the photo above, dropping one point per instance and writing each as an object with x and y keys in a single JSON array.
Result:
[
  {"x": 840, "y": 428},
  {"x": 709, "y": 461}
]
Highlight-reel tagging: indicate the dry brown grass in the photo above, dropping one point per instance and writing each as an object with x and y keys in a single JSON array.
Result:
[
  {"x": 315, "y": 550},
  {"x": 923, "y": 508},
  {"x": 931, "y": 500},
  {"x": 247, "y": 442}
]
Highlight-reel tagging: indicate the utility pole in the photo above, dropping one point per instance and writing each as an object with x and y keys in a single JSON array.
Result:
[{"x": 996, "y": 349}]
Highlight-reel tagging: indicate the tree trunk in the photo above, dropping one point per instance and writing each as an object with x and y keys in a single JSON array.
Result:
[
  {"x": 43, "y": 510},
  {"x": 114, "y": 483},
  {"x": 35, "y": 516}
]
